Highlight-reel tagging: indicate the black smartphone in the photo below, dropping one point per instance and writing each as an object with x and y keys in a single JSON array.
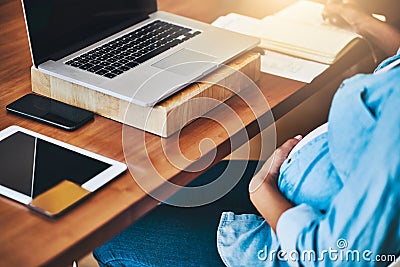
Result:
[{"x": 50, "y": 111}]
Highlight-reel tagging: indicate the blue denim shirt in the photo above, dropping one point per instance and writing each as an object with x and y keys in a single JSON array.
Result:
[{"x": 345, "y": 184}]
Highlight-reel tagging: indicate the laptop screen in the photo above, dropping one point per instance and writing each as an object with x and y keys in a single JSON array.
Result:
[{"x": 57, "y": 28}]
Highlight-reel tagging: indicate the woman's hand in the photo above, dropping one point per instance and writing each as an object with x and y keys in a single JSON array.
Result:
[
  {"x": 384, "y": 36},
  {"x": 348, "y": 13},
  {"x": 280, "y": 155},
  {"x": 269, "y": 173},
  {"x": 264, "y": 192}
]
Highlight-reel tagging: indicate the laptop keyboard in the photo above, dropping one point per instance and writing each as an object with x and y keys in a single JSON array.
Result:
[{"x": 132, "y": 49}]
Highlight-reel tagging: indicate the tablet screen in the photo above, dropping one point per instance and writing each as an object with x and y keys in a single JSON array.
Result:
[{"x": 31, "y": 165}]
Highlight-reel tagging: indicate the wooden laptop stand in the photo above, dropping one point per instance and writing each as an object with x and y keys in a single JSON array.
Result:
[{"x": 166, "y": 117}]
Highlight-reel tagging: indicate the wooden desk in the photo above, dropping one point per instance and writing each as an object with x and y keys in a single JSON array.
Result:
[{"x": 30, "y": 240}]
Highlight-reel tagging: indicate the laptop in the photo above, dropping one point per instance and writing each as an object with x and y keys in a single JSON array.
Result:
[{"x": 126, "y": 48}]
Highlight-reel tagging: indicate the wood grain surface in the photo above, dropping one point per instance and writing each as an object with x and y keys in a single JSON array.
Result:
[{"x": 31, "y": 240}]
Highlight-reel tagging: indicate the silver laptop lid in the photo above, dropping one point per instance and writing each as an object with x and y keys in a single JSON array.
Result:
[{"x": 57, "y": 28}]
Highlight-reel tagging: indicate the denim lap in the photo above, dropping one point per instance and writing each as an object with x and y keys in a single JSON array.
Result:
[
  {"x": 309, "y": 177},
  {"x": 245, "y": 240}
]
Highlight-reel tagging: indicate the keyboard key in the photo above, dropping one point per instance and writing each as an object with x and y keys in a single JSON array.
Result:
[
  {"x": 123, "y": 61},
  {"x": 95, "y": 68},
  {"x": 112, "y": 60},
  {"x": 124, "y": 68},
  {"x": 145, "y": 50},
  {"x": 194, "y": 33},
  {"x": 91, "y": 57},
  {"x": 105, "y": 57},
  {"x": 117, "y": 72},
  {"x": 132, "y": 64},
  {"x": 152, "y": 54},
  {"x": 113, "y": 52},
  {"x": 82, "y": 60},
  {"x": 86, "y": 66},
  {"x": 137, "y": 54},
  {"x": 101, "y": 72},
  {"x": 125, "y": 54},
  {"x": 118, "y": 51},
  {"x": 118, "y": 56},
  {"x": 174, "y": 43},
  {"x": 109, "y": 68},
  {"x": 109, "y": 75},
  {"x": 117, "y": 64},
  {"x": 75, "y": 64}
]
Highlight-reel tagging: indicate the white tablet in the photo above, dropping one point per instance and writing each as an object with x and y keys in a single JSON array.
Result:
[{"x": 32, "y": 164}]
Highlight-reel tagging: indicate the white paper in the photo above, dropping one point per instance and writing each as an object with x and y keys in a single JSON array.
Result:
[
  {"x": 291, "y": 67},
  {"x": 306, "y": 12},
  {"x": 239, "y": 23}
]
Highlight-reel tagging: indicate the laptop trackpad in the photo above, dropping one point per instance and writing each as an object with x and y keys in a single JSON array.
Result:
[{"x": 186, "y": 62}]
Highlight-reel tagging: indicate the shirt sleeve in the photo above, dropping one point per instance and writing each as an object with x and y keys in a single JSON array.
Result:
[
  {"x": 293, "y": 222},
  {"x": 388, "y": 61},
  {"x": 364, "y": 218}
]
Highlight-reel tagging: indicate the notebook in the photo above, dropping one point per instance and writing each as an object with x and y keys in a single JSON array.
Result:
[{"x": 298, "y": 30}]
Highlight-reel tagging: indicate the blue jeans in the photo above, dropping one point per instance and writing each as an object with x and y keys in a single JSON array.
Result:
[{"x": 174, "y": 236}]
